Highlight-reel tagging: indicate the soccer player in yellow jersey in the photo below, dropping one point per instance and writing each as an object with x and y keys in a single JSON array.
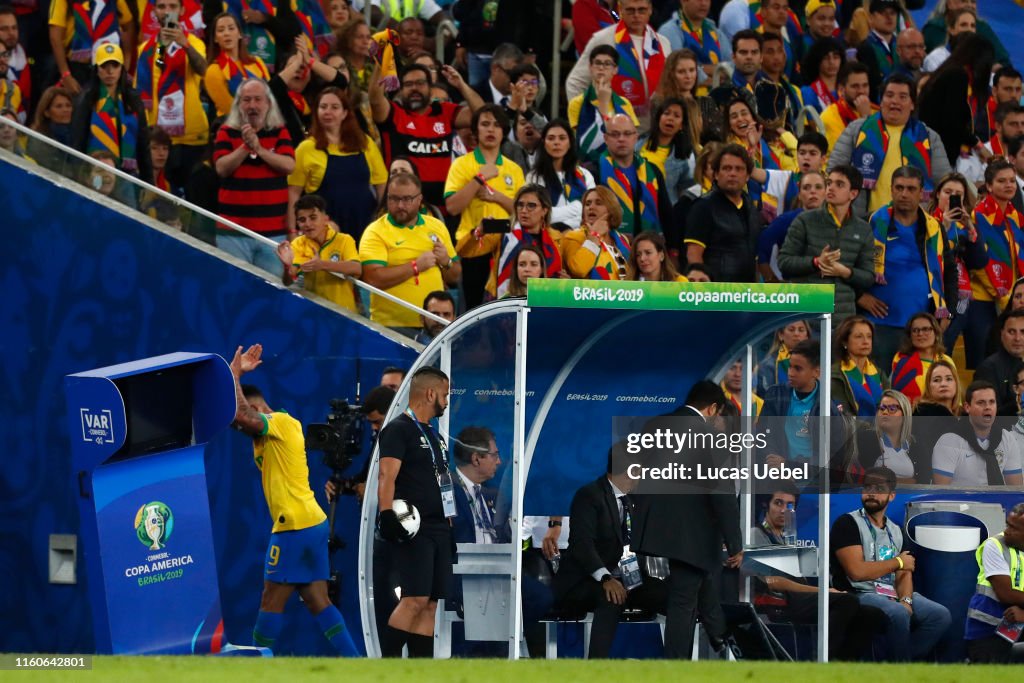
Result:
[
  {"x": 319, "y": 252},
  {"x": 297, "y": 557}
]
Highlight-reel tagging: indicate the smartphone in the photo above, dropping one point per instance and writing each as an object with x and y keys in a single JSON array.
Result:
[
  {"x": 956, "y": 201},
  {"x": 496, "y": 226},
  {"x": 170, "y": 20}
]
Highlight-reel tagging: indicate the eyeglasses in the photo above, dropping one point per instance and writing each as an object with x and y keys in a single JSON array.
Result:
[
  {"x": 889, "y": 409},
  {"x": 415, "y": 84},
  {"x": 615, "y": 135},
  {"x": 5, "y": 55},
  {"x": 604, "y": 63},
  {"x": 398, "y": 199},
  {"x": 922, "y": 330},
  {"x": 530, "y": 81},
  {"x": 529, "y": 206}
]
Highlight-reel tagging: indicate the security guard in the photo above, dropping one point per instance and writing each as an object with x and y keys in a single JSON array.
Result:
[
  {"x": 414, "y": 468},
  {"x": 995, "y": 615}
]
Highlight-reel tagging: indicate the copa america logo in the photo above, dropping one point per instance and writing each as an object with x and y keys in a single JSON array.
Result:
[{"x": 154, "y": 523}]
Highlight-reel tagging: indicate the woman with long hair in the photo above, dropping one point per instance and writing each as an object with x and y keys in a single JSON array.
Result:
[
  {"x": 669, "y": 145},
  {"x": 766, "y": 145},
  {"x": 679, "y": 81},
  {"x": 52, "y": 119},
  {"x": 597, "y": 250},
  {"x": 557, "y": 169},
  {"x": 340, "y": 163},
  {"x": 954, "y": 102},
  {"x": 820, "y": 70},
  {"x": 531, "y": 224},
  {"x": 354, "y": 41},
  {"x": 229, "y": 62},
  {"x": 857, "y": 385},
  {"x": 649, "y": 260},
  {"x": 109, "y": 116},
  {"x": 773, "y": 368},
  {"x": 890, "y": 442},
  {"x": 530, "y": 264},
  {"x": 921, "y": 346}
]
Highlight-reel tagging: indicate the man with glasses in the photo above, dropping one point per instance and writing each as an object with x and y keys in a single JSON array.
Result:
[
  {"x": 912, "y": 268},
  {"x": 636, "y": 182},
  {"x": 868, "y": 560},
  {"x": 10, "y": 93},
  {"x": 414, "y": 126},
  {"x": 589, "y": 110},
  {"x": 642, "y": 52},
  {"x": 406, "y": 254}
]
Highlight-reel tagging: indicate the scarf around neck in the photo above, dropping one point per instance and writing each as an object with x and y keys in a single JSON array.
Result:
[
  {"x": 883, "y": 227},
  {"x": 618, "y": 181},
  {"x": 873, "y": 144},
  {"x": 637, "y": 69}
]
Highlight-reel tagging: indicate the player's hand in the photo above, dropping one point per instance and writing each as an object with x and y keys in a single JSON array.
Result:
[
  {"x": 734, "y": 561},
  {"x": 614, "y": 591},
  {"x": 247, "y": 361},
  {"x": 908, "y": 561},
  {"x": 331, "y": 490},
  {"x": 391, "y": 529},
  {"x": 549, "y": 546}
]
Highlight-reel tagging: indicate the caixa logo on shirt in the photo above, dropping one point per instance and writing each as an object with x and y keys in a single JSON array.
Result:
[{"x": 422, "y": 147}]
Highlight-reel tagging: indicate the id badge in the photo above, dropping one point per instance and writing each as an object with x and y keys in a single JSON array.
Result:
[
  {"x": 886, "y": 590},
  {"x": 444, "y": 482},
  {"x": 1008, "y": 631},
  {"x": 629, "y": 568}
]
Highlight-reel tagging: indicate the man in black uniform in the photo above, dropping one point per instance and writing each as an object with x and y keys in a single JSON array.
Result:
[
  {"x": 414, "y": 468},
  {"x": 711, "y": 516}
]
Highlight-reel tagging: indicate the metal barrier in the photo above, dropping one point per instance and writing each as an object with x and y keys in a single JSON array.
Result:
[
  {"x": 192, "y": 208},
  {"x": 808, "y": 112}
]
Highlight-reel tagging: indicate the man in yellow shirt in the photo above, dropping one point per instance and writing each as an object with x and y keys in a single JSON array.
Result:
[
  {"x": 319, "y": 252},
  {"x": 481, "y": 185},
  {"x": 169, "y": 80},
  {"x": 297, "y": 557},
  {"x": 406, "y": 254}
]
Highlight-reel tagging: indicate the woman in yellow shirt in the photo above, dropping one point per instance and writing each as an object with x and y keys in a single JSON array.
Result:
[
  {"x": 339, "y": 162},
  {"x": 230, "y": 63},
  {"x": 598, "y": 251}
]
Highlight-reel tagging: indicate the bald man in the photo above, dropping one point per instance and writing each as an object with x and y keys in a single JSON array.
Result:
[
  {"x": 637, "y": 183},
  {"x": 910, "y": 52}
]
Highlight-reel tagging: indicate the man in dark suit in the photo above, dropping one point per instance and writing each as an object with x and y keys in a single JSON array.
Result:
[
  {"x": 498, "y": 88},
  {"x": 589, "y": 577},
  {"x": 710, "y": 514}
]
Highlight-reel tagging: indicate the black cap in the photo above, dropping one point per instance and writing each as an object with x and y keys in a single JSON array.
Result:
[{"x": 881, "y": 5}]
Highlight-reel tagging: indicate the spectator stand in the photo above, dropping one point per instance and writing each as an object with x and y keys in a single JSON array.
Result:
[{"x": 548, "y": 374}]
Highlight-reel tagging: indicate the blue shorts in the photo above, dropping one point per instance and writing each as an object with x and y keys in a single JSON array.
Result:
[{"x": 298, "y": 556}]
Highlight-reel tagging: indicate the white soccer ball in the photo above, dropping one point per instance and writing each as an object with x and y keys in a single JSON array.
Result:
[{"x": 408, "y": 515}]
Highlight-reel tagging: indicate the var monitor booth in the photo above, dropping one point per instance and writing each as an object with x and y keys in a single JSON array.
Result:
[{"x": 549, "y": 374}]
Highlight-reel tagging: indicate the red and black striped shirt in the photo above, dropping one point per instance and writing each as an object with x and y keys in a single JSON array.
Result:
[
  {"x": 254, "y": 196},
  {"x": 426, "y": 140}
]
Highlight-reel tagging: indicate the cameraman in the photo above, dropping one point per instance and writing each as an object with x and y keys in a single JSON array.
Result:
[
  {"x": 297, "y": 554},
  {"x": 414, "y": 468},
  {"x": 374, "y": 409}
]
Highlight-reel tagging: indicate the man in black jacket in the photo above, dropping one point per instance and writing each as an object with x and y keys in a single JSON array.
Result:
[
  {"x": 998, "y": 368},
  {"x": 590, "y": 576},
  {"x": 710, "y": 515}
]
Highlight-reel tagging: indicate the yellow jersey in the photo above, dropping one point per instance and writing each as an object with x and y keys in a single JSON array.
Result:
[
  {"x": 337, "y": 247},
  {"x": 280, "y": 455},
  {"x": 464, "y": 169}
]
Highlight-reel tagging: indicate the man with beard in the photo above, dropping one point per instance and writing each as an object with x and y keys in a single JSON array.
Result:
[
  {"x": 441, "y": 304},
  {"x": 868, "y": 560},
  {"x": 414, "y": 468},
  {"x": 854, "y": 101},
  {"x": 419, "y": 128}
]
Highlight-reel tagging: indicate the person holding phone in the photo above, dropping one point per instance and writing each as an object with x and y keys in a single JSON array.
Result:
[
  {"x": 598, "y": 250},
  {"x": 503, "y": 240}
]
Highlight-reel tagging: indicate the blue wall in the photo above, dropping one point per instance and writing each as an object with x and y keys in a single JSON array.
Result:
[{"x": 84, "y": 287}]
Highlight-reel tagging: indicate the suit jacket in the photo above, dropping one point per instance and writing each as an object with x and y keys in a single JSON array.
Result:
[
  {"x": 595, "y": 538},
  {"x": 690, "y": 526},
  {"x": 464, "y": 524},
  {"x": 483, "y": 89}
]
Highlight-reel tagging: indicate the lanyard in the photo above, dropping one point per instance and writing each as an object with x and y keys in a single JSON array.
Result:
[
  {"x": 430, "y": 444},
  {"x": 770, "y": 531},
  {"x": 874, "y": 535},
  {"x": 481, "y": 516}
]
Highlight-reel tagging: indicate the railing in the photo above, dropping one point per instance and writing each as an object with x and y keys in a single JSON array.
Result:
[{"x": 150, "y": 195}]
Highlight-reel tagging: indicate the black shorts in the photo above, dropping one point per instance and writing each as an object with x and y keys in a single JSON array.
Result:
[{"x": 425, "y": 562}]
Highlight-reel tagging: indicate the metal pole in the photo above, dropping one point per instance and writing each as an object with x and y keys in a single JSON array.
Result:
[
  {"x": 520, "y": 472},
  {"x": 556, "y": 59},
  {"x": 824, "y": 507},
  {"x": 747, "y": 486}
]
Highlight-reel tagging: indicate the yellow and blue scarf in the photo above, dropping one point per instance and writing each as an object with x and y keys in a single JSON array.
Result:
[
  {"x": 619, "y": 183},
  {"x": 590, "y": 129},
  {"x": 873, "y": 143},
  {"x": 114, "y": 129},
  {"x": 885, "y": 232},
  {"x": 866, "y": 386}
]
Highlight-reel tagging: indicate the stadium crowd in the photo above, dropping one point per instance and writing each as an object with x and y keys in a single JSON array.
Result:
[{"x": 818, "y": 141}]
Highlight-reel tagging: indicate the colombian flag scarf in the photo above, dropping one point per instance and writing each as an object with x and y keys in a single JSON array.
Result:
[
  {"x": 635, "y": 70},
  {"x": 873, "y": 143},
  {"x": 512, "y": 243},
  {"x": 169, "y": 84},
  {"x": 237, "y": 72},
  {"x": 1004, "y": 243},
  {"x": 571, "y": 189},
  {"x": 94, "y": 20},
  {"x": 794, "y": 32},
  {"x": 314, "y": 25},
  {"x": 782, "y": 365},
  {"x": 590, "y": 129},
  {"x": 618, "y": 181},
  {"x": 114, "y": 129},
  {"x": 885, "y": 231},
  {"x": 261, "y": 40},
  {"x": 702, "y": 40},
  {"x": 866, "y": 386},
  {"x": 599, "y": 272}
]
